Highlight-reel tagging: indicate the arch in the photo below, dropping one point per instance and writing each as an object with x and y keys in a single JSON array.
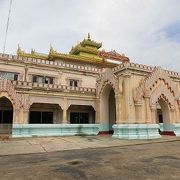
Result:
[
  {"x": 6, "y": 115},
  {"x": 163, "y": 117},
  {"x": 107, "y": 77},
  {"x": 162, "y": 92},
  {"x": 167, "y": 88},
  {"x": 157, "y": 74},
  {"x": 7, "y": 89},
  {"x": 107, "y": 109}
]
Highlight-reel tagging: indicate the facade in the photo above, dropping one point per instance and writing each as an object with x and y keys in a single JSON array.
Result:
[{"x": 86, "y": 92}]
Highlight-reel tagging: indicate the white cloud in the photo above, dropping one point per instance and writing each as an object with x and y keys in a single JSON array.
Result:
[{"x": 134, "y": 27}]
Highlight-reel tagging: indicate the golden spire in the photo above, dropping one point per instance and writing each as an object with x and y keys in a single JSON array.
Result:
[
  {"x": 19, "y": 50},
  {"x": 51, "y": 49},
  {"x": 89, "y": 37},
  {"x": 32, "y": 51}
]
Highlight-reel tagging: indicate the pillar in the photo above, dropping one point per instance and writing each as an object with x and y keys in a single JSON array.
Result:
[
  {"x": 138, "y": 109},
  {"x": 26, "y": 73},
  {"x": 65, "y": 108},
  {"x": 16, "y": 118},
  {"x": 153, "y": 115},
  {"x": 25, "y": 116},
  {"x": 172, "y": 116},
  {"x": 148, "y": 110},
  {"x": 127, "y": 98},
  {"x": 177, "y": 114},
  {"x": 97, "y": 115},
  {"x": 118, "y": 108}
]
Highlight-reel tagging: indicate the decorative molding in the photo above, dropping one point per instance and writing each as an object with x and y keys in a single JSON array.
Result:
[
  {"x": 168, "y": 90},
  {"x": 17, "y": 99},
  {"x": 7, "y": 86},
  {"x": 107, "y": 77},
  {"x": 26, "y": 103},
  {"x": 157, "y": 74},
  {"x": 162, "y": 92}
]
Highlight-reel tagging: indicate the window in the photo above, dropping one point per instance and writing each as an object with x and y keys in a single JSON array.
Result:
[
  {"x": 79, "y": 118},
  {"x": 9, "y": 75},
  {"x": 43, "y": 79},
  {"x": 37, "y": 117},
  {"x": 73, "y": 82},
  {"x": 48, "y": 80}
]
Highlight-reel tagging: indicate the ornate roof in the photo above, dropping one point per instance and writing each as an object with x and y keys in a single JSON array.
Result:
[
  {"x": 33, "y": 54},
  {"x": 86, "y": 51},
  {"x": 87, "y": 46},
  {"x": 113, "y": 55}
]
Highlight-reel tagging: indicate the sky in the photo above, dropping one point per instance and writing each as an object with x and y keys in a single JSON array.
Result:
[{"x": 146, "y": 31}]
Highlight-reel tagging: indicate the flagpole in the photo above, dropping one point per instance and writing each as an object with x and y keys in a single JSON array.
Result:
[{"x": 7, "y": 27}]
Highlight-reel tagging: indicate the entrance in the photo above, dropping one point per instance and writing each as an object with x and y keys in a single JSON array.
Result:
[
  {"x": 81, "y": 114},
  {"x": 44, "y": 113},
  {"x": 107, "y": 110},
  {"x": 6, "y": 116},
  {"x": 163, "y": 118}
]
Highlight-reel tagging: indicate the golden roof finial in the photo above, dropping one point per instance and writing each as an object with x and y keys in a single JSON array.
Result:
[
  {"x": 51, "y": 49},
  {"x": 89, "y": 37},
  {"x": 19, "y": 50},
  {"x": 32, "y": 51}
]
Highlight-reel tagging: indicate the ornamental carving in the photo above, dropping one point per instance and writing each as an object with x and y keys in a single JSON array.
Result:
[
  {"x": 16, "y": 99},
  {"x": 157, "y": 74},
  {"x": 162, "y": 92},
  {"x": 168, "y": 90},
  {"x": 107, "y": 77},
  {"x": 26, "y": 103},
  {"x": 139, "y": 92},
  {"x": 6, "y": 86}
]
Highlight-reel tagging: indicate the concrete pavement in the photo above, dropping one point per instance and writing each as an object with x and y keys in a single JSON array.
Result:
[
  {"x": 150, "y": 161},
  {"x": 52, "y": 144}
]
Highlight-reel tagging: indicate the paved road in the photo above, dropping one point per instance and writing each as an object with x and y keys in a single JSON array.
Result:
[{"x": 147, "y": 161}]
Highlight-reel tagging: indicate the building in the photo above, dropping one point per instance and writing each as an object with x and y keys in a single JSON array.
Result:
[{"x": 88, "y": 91}]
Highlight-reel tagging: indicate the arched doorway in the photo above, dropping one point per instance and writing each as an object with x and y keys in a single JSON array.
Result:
[
  {"x": 107, "y": 109},
  {"x": 6, "y": 116},
  {"x": 163, "y": 117}
]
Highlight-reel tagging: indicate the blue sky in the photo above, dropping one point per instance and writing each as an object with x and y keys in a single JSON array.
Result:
[
  {"x": 147, "y": 31},
  {"x": 173, "y": 31}
]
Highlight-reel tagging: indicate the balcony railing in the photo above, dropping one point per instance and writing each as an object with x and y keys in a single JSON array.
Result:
[{"x": 52, "y": 87}]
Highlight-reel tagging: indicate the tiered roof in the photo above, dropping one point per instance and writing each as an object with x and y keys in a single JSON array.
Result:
[{"x": 86, "y": 51}]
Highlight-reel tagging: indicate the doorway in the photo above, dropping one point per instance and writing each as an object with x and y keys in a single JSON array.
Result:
[
  {"x": 6, "y": 116},
  {"x": 107, "y": 110}
]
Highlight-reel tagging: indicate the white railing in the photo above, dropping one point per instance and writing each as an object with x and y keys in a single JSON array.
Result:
[{"x": 31, "y": 85}]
